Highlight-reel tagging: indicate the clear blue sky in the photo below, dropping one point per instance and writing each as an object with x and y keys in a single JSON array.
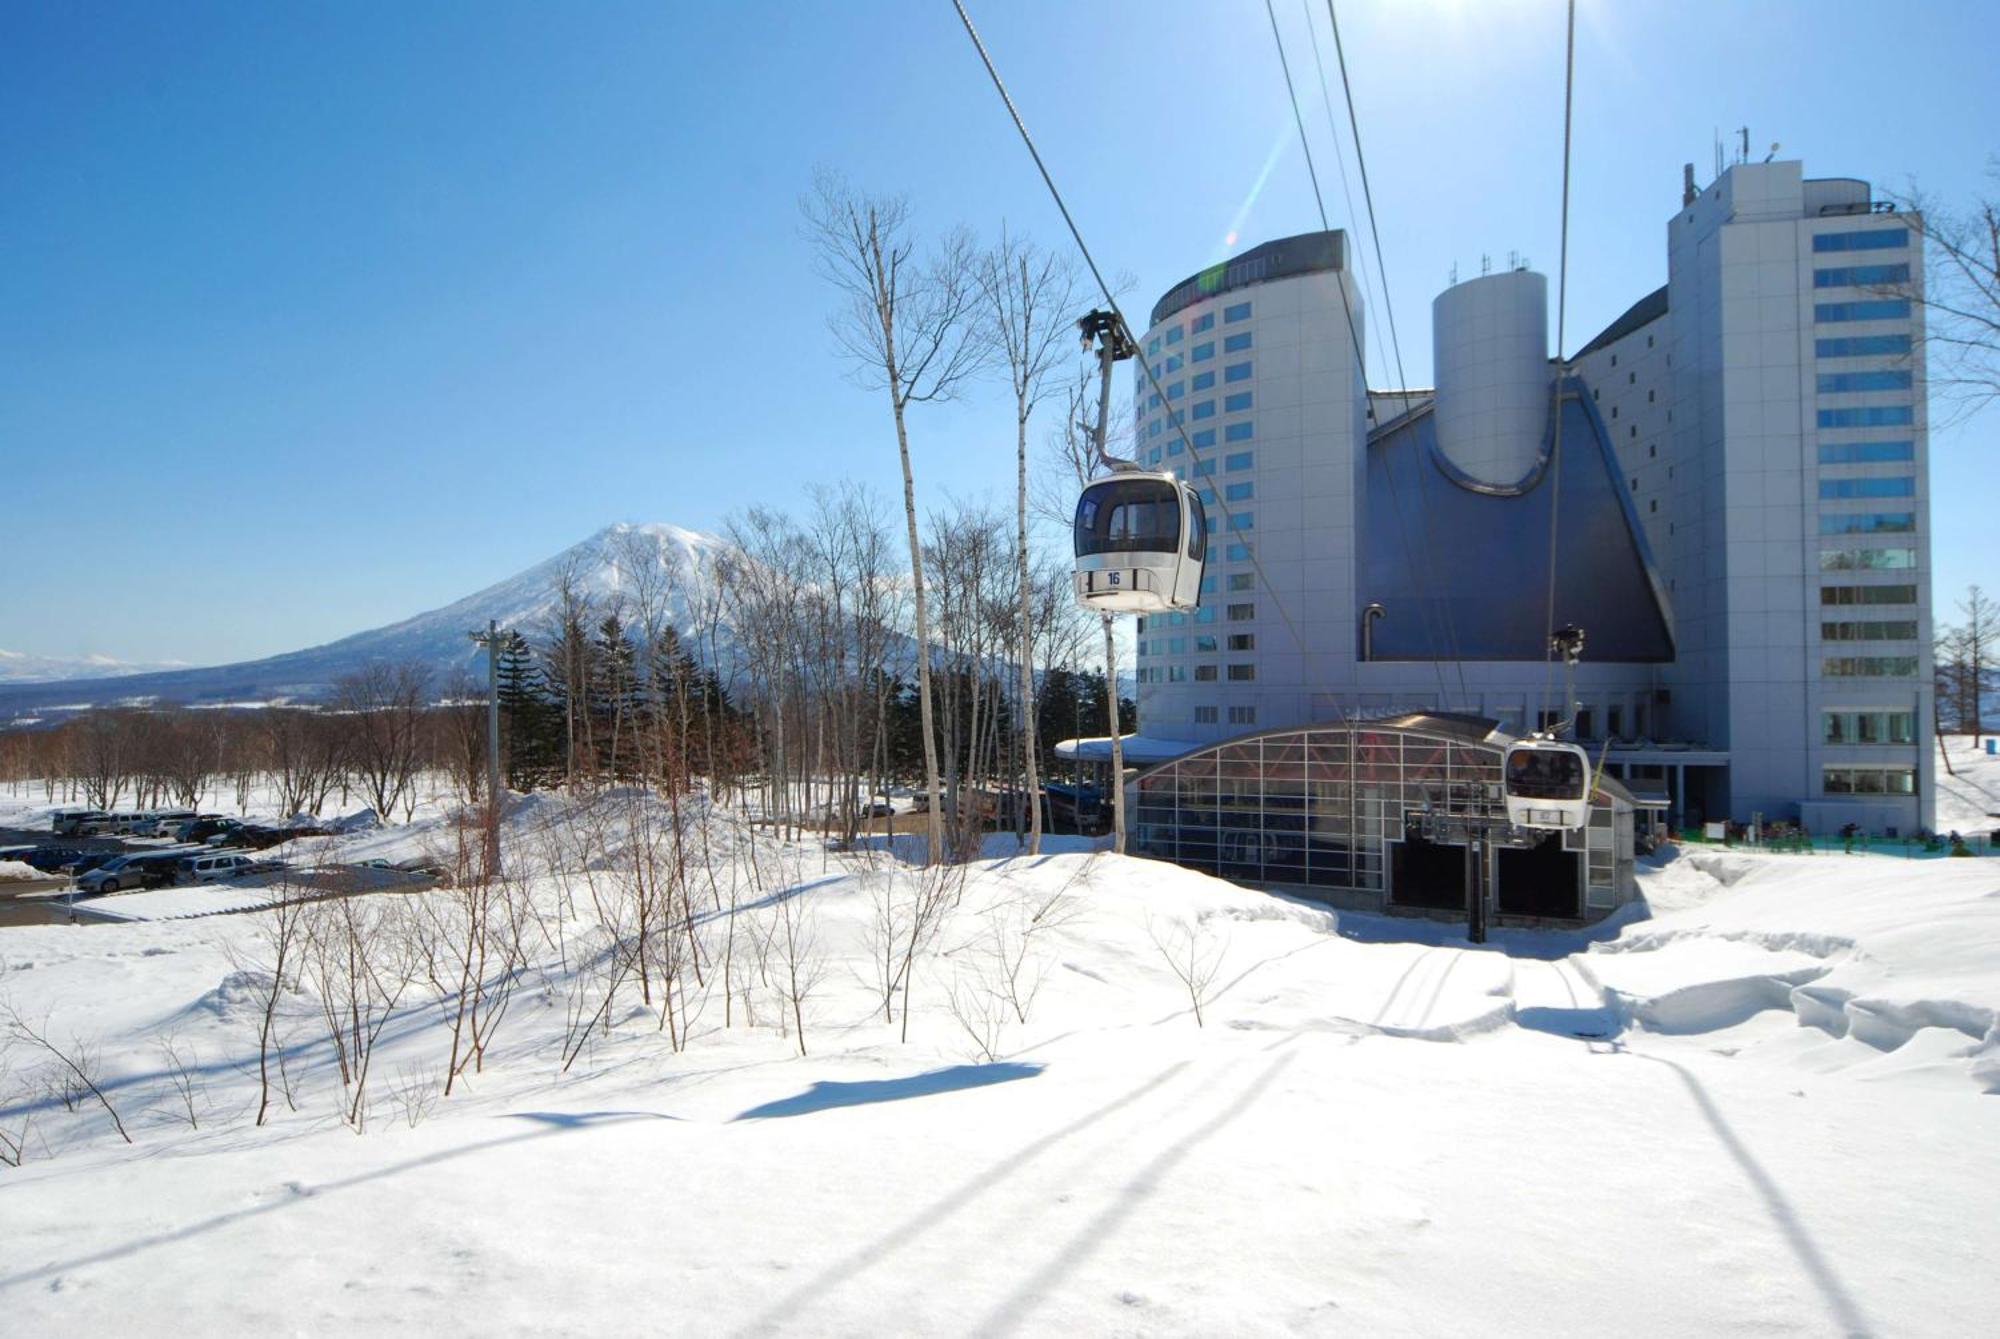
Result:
[{"x": 315, "y": 316}]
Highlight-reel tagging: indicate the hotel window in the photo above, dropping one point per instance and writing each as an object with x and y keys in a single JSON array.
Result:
[
  {"x": 1239, "y": 613},
  {"x": 1174, "y": 447},
  {"x": 1878, "y": 309},
  {"x": 1242, "y": 641},
  {"x": 1204, "y": 409},
  {"x": 1868, "y": 727},
  {"x": 1237, "y": 432},
  {"x": 1614, "y": 721},
  {"x": 1239, "y": 492},
  {"x": 1869, "y": 630},
  {"x": 1865, "y": 453},
  {"x": 1239, "y": 312},
  {"x": 1202, "y": 380},
  {"x": 1867, "y": 560},
  {"x": 1868, "y": 523},
  {"x": 1861, "y": 346},
  {"x": 1236, "y": 343},
  {"x": 1206, "y": 321},
  {"x": 1903, "y": 485},
  {"x": 1177, "y": 674},
  {"x": 1869, "y": 780},
  {"x": 1851, "y": 595},
  {"x": 1155, "y": 457},
  {"x": 1204, "y": 642},
  {"x": 1207, "y": 585},
  {"x": 1237, "y": 403},
  {"x": 1207, "y": 496},
  {"x": 1152, "y": 346},
  {"x": 1204, "y": 674},
  {"x": 1241, "y": 372},
  {"x": 1885, "y": 379},
  {"x": 1243, "y": 520},
  {"x": 1204, "y": 715},
  {"x": 1237, "y": 460},
  {"x": 1243, "y": 715},
  {"x": 1173, "y": 363},
  {"x": 1873, "y": 239},
  {"x": 1174, "y": 389},
  {"x": 1242, "y": 581},
  {"x": 1242, "y": 673},
  {"x": 1237, "y": 553},
  {"x": 1868, "y": 667},
  {"x": 1153, "y": 400},
  {"x": 1869, "y": 416},
  {"x": 1203, "y": 468},
  {"x": 1204, "y": 437},
  {"x": 1153, "y": 428},
  {"x": 1202, "y": 352},
  {"x": 1857, "y": 275},
  {"x": 1173, "y": 335},
  {"x": 1205, "y": 614}
]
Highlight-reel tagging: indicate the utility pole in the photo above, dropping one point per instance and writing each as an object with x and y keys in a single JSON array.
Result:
[
  {"x": 1103, "y": 331},
  {"x": 490, "y": 639}
]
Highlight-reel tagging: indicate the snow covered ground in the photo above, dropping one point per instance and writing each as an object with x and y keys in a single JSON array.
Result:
[{"x": 1768, "y": 1107}]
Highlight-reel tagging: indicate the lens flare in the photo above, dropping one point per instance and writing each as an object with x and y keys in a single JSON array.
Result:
[{"x": 1278, "y": 143}]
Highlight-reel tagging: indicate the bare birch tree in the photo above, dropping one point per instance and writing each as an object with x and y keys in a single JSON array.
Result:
[
  {"x": 905, "y": 326},
  {"x": 1030, "y": 296}
]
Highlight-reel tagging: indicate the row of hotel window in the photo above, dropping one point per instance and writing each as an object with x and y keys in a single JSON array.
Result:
[
  {"x": 1237, "y": 716},
  {"x": 1201, "y": 409},
  {"x": 1868, "y": 780},
  {"x": 1205, "y": 437},
  {"x": 1171, "y": 336},
  {"x": 1868, "y": 727},
  {"x": 1202, "y": 673}
]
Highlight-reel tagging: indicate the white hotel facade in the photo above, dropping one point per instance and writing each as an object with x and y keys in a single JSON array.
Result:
[{"x": 1743, "y": 530}]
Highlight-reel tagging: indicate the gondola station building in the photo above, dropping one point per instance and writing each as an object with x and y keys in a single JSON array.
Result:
[{"x": 1740, "y": 528}]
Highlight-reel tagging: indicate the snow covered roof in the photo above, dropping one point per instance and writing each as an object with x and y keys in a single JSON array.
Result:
[{"x": 1140, "y": 750}]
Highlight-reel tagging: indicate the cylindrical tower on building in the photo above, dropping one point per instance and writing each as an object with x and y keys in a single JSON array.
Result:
[{"x": 1490, "y": 352}]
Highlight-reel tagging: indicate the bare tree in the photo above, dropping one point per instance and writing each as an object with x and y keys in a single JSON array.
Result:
[
  {"x": 382, "y": 709},
  {"x": 190, "y": 1096},
  {"x": 1031, "y": 295},
  {"x": 1194, "y": 955},
  {"x": 1959, "y": 292},
  {"x": 270, "y": 969},
  {"x": 1976, "y": 637},
  {"x": 76, "y": 1062},
  {"x": 905, "y": 327}
]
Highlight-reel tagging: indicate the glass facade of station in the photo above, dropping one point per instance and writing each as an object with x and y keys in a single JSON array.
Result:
[{"x": 1339, "y": 808}]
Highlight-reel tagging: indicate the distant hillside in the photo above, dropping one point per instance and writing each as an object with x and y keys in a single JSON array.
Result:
[
  {"x": 24, "y": 667},
  {"x": 602, "y": 566}
]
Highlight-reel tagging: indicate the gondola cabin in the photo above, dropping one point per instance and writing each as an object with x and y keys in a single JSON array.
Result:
[
  {"x": 1548, "y": 784},
  {"x": 1141, "y": 540}
]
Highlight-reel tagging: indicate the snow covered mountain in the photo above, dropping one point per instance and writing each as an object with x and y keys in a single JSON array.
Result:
[
  {"x": 618, "y": 563},
  {"x": 26, "y": 667}
]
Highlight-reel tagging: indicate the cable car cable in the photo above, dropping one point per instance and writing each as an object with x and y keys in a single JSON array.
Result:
[
  {"x": 1111, "y": 301},
  {"x": 1562, "y": 366},
  {"x": 1418, "y": 559}
]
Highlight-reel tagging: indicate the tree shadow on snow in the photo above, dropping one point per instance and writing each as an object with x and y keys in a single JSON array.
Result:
[
  {"x": 292, "y": 1192},
  {"x": 826, "y": 1095}
]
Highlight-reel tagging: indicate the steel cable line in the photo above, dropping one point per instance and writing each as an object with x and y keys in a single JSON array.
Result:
[
  {"x": 1111, "y": 301},
  {"x": 1562, "y": 361},
  {"x": 1422, "y": 565},
  {"x": 1395, "y": 342}
]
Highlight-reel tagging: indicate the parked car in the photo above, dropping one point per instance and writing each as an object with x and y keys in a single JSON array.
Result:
[
  {"x": 213, "y": 867},
  {"x": 74, "y": 863},
  {"x": 207, "y": 827},
  {"x": 71, "y": 822},
  {"x": 114, "y": 875}
]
